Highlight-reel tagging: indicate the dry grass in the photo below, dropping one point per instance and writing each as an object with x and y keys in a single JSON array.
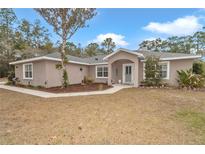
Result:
[{"x": 131, "y": 116}]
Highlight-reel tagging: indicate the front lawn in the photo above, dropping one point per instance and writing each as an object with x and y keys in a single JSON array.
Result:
[
  {"x": 130, "y": 116},
  {"x": 195, "y": 120}
]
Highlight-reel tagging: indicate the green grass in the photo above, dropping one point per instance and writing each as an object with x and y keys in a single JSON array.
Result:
[{"x": 194, "y": 120}]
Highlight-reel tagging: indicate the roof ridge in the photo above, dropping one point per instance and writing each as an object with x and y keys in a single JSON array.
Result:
[
  {"x": 73, "y": 55},
  {"x": 164, "y": 52}
]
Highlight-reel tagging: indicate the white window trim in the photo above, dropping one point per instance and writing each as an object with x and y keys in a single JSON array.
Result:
[
  {"x": 24, "y": 77},
  {"x": 168, "y": 68},
  {"x": 163, "y": 62},
  {"x": 96, "y": 73}
]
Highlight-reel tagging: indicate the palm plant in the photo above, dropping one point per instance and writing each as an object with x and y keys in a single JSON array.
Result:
[{"x": 190, "y": 80}]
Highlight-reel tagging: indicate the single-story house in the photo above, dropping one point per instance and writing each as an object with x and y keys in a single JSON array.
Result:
[{"x": 120, "y": 67}]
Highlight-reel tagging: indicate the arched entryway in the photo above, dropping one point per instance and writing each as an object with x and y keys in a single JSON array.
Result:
[
  {"x": 126, "y": 66},
  {"x": 123, "y": 72}
]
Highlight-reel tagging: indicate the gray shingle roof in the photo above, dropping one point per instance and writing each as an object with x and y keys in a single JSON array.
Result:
[
  {"x": 90, "y": 60},
  {"x": 99, "y": 58},
  {"x": 163, "y": 54},
  {"x": 95, "y": 59}
]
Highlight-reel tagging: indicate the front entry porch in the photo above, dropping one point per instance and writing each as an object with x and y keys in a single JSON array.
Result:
[
  {"x": 123, "y": 72},
  {"x": 123, "y": 67}
]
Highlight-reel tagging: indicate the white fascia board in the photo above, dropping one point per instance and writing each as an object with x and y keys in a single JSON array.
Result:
[
  {"x": 89, "y": 64},
  {"x": 44, "y": 58},
  {"x": 75, "y": 62},
  {"x": 105, "y": 63},
  {"x": 34, "y": 59},
  {"x": 178, "y": 58},
  {"x": 54, "y": 59}
]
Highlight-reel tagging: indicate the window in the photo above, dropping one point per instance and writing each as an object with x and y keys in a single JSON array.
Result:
[
  {"x": 101, "y": 71},
  {"x": 28, "y": 71},
  {"x": 164, "y": 70}
]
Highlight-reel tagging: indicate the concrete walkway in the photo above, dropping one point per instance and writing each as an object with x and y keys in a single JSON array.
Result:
[
  {"x": 43, "y": 94},
  {"x": 2, "y": 83}
]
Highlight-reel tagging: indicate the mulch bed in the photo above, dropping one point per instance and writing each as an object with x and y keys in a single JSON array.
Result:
[
  {"x": 77, "y": 88},
  {"x": 174, "y": 88}
]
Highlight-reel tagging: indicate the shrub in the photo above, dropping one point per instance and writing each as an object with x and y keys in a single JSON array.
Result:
[
  {"x": 199, "y": 68},
  {"x": 65, "y": 79},
  {"x": 190, "y": 80},
  {"x": 198, "y": 81},
  {"x": 15, "y": 81},
  {"x": 11, "y": 76},
  {"x": 39, "y": 87},
  {"x": 152, "y": 72},
  {"x": 3, "y": 71},
  {"x": 30, "y": 86}
]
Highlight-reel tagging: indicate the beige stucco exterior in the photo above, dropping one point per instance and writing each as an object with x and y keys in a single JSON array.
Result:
[
  {"x": 46, "y": 74},
  {"x": 92, "y": 74},
  {"x": 141, "y": 72},
  {"x": 75, "y": 72},
  {"x": 178, "y": 65},
  {"x": 39, "y": 73}
]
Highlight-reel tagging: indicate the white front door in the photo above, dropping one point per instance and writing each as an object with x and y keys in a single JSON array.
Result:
[{"x": 128, "y": 73}]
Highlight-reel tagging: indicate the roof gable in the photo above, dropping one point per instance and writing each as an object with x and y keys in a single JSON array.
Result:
[{"x": 123, "y": 50}]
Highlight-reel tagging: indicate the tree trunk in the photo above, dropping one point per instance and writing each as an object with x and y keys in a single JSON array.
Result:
[
  {"x": 63, "y": 63},
  {"x": 63, "y": 55}
]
